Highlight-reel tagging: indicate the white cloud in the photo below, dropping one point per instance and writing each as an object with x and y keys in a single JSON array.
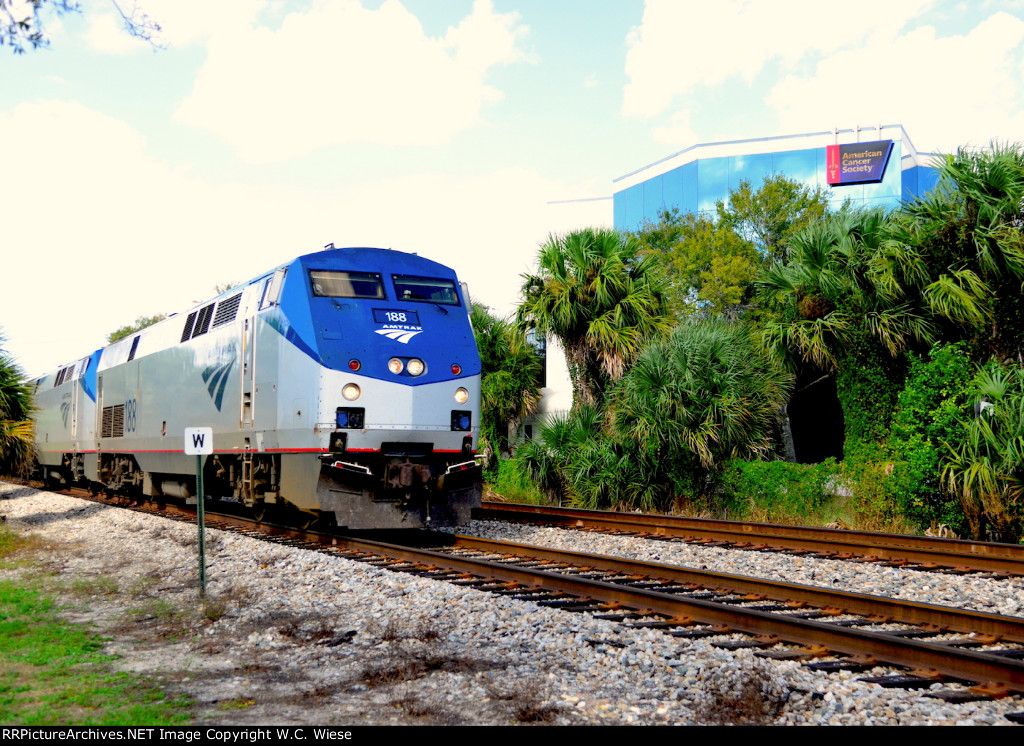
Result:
[
  {"x": 678, "y": 131},
  {"x": 189, "y": 21},
  {"x": 946, "y": 91},
  {"x": 342, "y": 74},
  {"x": 485, "y": 38},
  {"x": 107, "y": 35},
  {"x": 180, "y": 22},
  {"x": 100, "y": 233},
  {"x": 680, "y": 47}
]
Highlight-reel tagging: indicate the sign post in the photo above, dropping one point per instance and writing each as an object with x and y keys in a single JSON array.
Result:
[{"x": 199, "y": 443}]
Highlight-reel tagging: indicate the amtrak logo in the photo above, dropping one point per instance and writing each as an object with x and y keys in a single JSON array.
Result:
[
  {"x": 399, "y": 335},
  {"x": 216, "y": 378},
  {"x": 65, "y": 410}
]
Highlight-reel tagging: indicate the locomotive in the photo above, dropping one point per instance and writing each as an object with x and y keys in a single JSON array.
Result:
[{"x": 342, "y": 386}]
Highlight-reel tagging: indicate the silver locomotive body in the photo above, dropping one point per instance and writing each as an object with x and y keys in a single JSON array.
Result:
[{"x": 296, "y": 375}]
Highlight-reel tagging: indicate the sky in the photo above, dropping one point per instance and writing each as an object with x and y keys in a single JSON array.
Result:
[{"x": 136, "y": 178}]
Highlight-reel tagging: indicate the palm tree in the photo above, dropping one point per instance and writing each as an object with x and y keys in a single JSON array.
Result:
[
  {"x": 986, "y": 471},
  {"x": 863, "y": 286},
  {"x": 970, "y": 233},
  {"x": 510, "y": 389},
  {"x": 553, "y": 457},
  {"x": 697, "y": 398},
  {"x": 849, "y": 302},
  {"x": 600, "y": 300},
  {"x": 17, "y": 444},
  {"x": 845, "y": 277}
]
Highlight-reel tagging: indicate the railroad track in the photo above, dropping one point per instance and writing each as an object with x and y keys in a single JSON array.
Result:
[
  {"x": 784, "y": 620},
  {"x": 911, "y": 552},
  {"x": 827, "y": 629}
]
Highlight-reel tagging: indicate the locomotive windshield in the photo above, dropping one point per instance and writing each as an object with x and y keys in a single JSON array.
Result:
[
  {"x": 339, "y": 284},
  {"x": 426, "y": 290}
]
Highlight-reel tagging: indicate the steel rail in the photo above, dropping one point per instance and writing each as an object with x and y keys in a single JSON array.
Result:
[
  {"x": 934, "y": 659},
  {"x": 957, "y": 663},
  {"x": 905, "y": 612},
  {"x": 958, "y": 553},
  {"x": 947, "y": 619}
]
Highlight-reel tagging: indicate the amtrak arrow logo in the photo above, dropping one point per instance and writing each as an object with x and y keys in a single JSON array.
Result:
[
  {"x": 399, "y": 335},
  {"x": 216, "y": 377}
]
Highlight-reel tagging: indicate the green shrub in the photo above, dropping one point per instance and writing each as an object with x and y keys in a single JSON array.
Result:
[
  {"x": 694, "y": 400},
  {"x": 985, "y": 471},
  {"x": 511, "y": 482},
  {"x": 868, "y": 382},
  {"x": 932, "y": 410},
  {"x": 690, "y": 402},
  {"x": 776, "y": 490}
]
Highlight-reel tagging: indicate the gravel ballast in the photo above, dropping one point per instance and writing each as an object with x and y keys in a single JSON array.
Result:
[{"x": 287, "y": 636}]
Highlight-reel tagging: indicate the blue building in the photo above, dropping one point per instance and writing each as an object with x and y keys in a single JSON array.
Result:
[{"x": 870, "y": 166}]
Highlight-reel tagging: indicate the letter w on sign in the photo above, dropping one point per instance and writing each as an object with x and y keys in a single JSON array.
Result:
[{"x": 198, "y": 441}]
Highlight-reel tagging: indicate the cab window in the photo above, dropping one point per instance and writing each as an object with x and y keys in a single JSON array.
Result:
[
  {"x": 426, "y": 290},
  {"x": 338, "y": 284}
]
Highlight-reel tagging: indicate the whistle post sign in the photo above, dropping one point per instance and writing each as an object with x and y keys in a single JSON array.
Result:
[
  {"x": 198, "y": 441},
  {"x": 857, "y": 162}
]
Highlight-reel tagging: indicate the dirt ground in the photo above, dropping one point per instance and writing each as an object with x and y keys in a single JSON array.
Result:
[{"x": 244, "y": 654}]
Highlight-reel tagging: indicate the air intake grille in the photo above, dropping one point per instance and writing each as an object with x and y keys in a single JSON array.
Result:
[
  {"x": 187, "y": 331},
  {"x": 113, "y": 422},
  {"x": 198, "y": 322},
  {"x": 203, "y": 321},
  {"x": 227, "y": 310},
  {"x": 64, "y": 375}
]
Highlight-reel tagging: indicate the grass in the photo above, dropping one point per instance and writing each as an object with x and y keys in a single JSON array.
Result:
[
  {"x": 55, "y": 673},
  {"x": 526, "y": 702}
]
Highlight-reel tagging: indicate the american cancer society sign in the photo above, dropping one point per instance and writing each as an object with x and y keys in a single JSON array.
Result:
[{"x": 857, "y": 163}]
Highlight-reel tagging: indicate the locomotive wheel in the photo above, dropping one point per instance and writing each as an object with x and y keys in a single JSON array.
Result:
[
  {"x": 303, "y": 520},
  {"x": 262, "y": 511}
]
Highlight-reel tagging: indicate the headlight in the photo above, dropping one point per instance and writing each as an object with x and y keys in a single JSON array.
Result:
[
  {"x": 415, "y": 367},
  {"x": 351, "y": 392},
  {"x": 462, "y": 396},
  {"x": 395, "y": 365}
]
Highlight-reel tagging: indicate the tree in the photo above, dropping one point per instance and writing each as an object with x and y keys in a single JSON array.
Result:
[
  {"x": 564, "y": 462},
  {"x": 847, "y": 303},
  {"x": 22, "y": 22},
  {"x": 17, "y": 442},
  {"x": 690, "y": 401},
  {"x": 600, "y": 299},
  {"x": 129, "y": 329},
  {"x": 770, "y": 216},
  {"x": 697, "y": 398},
  {"x": 969, "y": 233},
  {"x": 709, "y": 268},
  {"x": 511, "y": 383},
  {"x": 840, "y": 280}
]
